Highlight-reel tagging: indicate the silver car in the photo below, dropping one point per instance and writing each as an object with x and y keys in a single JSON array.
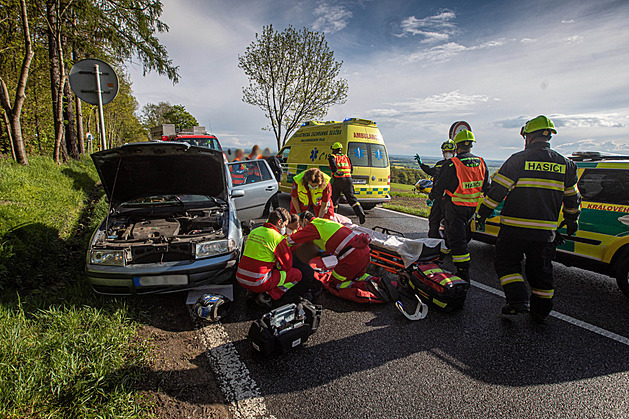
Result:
[{"x": 175, "y": 219}]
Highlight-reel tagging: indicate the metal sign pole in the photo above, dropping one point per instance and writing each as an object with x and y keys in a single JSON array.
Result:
[{"x": 101, "y": 117}]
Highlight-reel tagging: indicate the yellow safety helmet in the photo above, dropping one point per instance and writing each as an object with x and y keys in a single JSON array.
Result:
[
  {"x": 448, "y": 146},
  {"x": 539, "y": 123},
  {"x": 337, "y": 146},
  {"x": 463, "y": 136}
]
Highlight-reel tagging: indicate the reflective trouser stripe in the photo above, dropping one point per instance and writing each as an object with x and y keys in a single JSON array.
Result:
[
  {"x": 543, "y": 293},
  {"x": 528, "y": 223},
  {"x": 282, "y": 279},
  {"x": 511, "y": 278},
  {"x": 445, "y": 250},
  {"x": 461, "y": 258},
  {"x": 339, "y": 277},
  {"x": 287, "y": 286}
]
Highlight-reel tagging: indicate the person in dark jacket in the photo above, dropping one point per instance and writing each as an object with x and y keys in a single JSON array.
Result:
[
  {"x": 534, "y": 183},
  {"x": 276, "y": 168},
  {"x": 460, "y": 185},
  {"x": 436, "y": 209},
  {"x": 342, "y": 169}
]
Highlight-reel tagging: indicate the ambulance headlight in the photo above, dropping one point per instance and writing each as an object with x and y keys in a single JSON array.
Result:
[{"x": 214, "y": 248}]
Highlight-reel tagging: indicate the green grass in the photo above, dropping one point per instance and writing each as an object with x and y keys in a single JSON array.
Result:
[
  {"x": 64, "y": 352},
  {"x": 401, "y": 187}
]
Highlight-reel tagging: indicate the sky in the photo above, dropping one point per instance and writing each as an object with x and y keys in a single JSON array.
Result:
[{"x": 415, "y": 67}]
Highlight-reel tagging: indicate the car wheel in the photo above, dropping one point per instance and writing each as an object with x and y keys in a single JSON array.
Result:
[
  {"x": 368, "y": 206},
  {"x": 622, "y": 274}
]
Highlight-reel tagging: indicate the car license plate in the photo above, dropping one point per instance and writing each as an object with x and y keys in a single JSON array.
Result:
[
  {"x": 360, "y": 181},
  {"x": 151, "y": 281}
]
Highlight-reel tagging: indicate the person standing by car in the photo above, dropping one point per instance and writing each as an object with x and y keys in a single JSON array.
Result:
[
  {"x": 311, "y": 189},
  {"x": 238, "y": 171},
  {"x": 535, "y": 182},
  {"x": 276, "y": 168},
  {"x": 460, "y": 184},
  {"x": 436, "y": 207},
  {"x": 342, "y": 169},
  {"x": 266, "y": 265}
]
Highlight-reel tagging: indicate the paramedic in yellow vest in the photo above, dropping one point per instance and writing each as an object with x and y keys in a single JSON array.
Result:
[
  {"x": 312, "y": 191},
  {"x": 350, "y": 248},
  {"x": 342, "y": 169},
  {"x": 266, "y": 265},
  {"x": 460, "y": 184},
  {"x": 535, "y": 184}
]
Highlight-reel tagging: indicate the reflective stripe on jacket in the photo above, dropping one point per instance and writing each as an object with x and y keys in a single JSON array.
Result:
[
  {"x": 471, "y": 180},
  {"x": 328, "y": 235},
  {"x": 536, "y": 182},
  {"x": 343, "y": 165}
]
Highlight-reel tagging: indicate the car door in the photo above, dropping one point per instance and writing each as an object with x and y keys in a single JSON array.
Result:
[{"x": 255, "y": 178}]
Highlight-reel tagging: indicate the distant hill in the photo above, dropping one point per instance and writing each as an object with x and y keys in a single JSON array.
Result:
[{"x": 409, "y": 162}]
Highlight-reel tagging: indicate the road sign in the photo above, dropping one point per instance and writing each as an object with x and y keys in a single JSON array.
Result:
[
  {"x": 457, "y": 127},
  {"x": 84, "y": 83}
]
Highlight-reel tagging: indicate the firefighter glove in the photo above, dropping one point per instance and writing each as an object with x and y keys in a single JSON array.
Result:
[
  {"x": 419, "y": 159},
  {"x": 479, "y": 222},
  {"x": 571, "y": 226},
  {"x": 558, "y": 239},
  {"x": 429, "y": 202}
]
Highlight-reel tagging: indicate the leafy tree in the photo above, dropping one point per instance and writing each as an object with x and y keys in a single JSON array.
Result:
[
  {"x": 182, "y": 119},
  {"x": 292, "y": 78},
  {"x": 152, "y": 114}
]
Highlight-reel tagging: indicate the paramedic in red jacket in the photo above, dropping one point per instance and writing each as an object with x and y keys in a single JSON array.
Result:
[
  {"x": 266, "y": 265},
  {"x": 350, "y": 248},
  {"x": 312, "y": 189}
]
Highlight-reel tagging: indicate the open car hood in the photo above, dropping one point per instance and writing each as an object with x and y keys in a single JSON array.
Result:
[{"x": 139, "y": 170}]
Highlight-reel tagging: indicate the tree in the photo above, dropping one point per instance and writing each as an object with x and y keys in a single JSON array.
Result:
[
  {"x": 12, "y": 113},
  {"x": 292, "y": 78},
  {"x": 153, "y": 115},
  {"x": 182, "y": 119}
]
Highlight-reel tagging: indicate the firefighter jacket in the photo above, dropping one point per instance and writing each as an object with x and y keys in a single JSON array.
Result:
[
  {"x": 266, "y": 249},
  {"x": 330, "y": 236},
  {"x": 535, "y": 182},
  {"x": 462, "y": 180},
  {"x": 340, "y": 165},
  {"x": 433, "y": 172},
  {"x": 307, "y": 196}
]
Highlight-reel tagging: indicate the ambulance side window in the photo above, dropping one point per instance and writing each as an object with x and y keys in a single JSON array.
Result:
[
  {"x": 607, "y": 186},
  {"x": 378, "y": 155},
  {"x": 283, "y": 155}
]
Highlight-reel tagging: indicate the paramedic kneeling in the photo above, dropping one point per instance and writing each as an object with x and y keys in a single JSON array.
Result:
[
  {"x": 350, "y": 248},
  {"x": 266, "y": 265}
]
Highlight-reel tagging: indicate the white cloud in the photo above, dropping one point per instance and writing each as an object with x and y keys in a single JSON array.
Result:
[
  {"x": 435, "y": 28},
  {"x": 443, "y": 53},
  {"x": 588, "y": 121},
  {"x": 573, "y": 39},
  {"x": 442, "y": 102},
  {"x": 528, "y": 40},
  {"x": 567, "y": 21},
  {"x": 330, "y": 19},
  {"x": 605, "y": 146}
]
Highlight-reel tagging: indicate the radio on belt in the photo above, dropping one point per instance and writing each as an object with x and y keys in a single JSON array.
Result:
[{"x": 285, "y": 328}]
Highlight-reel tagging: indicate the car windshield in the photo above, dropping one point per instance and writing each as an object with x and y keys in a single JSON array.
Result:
[
  {"x": 211, "y": 143},
  {"x": 170, "y": 199}
]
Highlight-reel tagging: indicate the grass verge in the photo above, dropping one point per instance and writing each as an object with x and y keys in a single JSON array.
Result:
[
  {"x": 64, "y": 352},
  {"x": 408, "y": 210}
]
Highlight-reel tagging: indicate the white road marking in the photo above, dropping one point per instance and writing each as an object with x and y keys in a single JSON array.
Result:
[
  {"x": 240, "y": 390},
  {"x": 568, "y": 319}
]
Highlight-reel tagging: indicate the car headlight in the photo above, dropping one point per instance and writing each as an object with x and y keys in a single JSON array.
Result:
[
  {"x": 214, "y": 248},
  {"x": 107, "y": 257}
]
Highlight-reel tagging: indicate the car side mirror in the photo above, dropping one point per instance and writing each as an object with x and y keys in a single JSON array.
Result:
[{"x": 238, "y": 193}]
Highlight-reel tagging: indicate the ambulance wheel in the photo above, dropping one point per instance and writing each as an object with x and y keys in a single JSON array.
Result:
[
  {"x": 622, "y": 274},
  {"x": 367, "y": 207}
]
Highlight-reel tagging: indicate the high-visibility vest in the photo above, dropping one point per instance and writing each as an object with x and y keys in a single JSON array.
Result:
[
  {"x": 343, "y": 165},
  {"x": 326, "y": 229},
  {"x": 252, "y": 169},
  {"x": 238, "y": 173},
  {"x": 304, "y": 192},
  {"x": 470, "y": 186},
  {"x": 261, "y": 244}
]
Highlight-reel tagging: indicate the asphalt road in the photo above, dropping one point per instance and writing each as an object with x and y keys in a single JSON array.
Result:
[{"x": 369, "y": 361}]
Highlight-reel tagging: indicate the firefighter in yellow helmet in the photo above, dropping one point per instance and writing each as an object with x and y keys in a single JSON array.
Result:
[
  {"x": 436, "y": 209},
  {"x": 534, "y": 183},
  {"x": 341, "y": 168},
  {"x": 460, "y": 184}
]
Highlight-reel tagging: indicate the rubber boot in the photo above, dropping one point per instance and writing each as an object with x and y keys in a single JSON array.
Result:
[
  {"x": 463, "y": 273},
  {"x": 360, "y": 213}
]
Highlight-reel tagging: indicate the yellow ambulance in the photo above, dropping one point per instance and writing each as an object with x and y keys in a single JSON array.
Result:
[{"x": 310, "y": 146}]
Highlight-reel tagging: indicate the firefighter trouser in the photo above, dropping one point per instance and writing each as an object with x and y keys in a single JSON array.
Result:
[
  {"x": 538, "y": 269},
  {"x": 346, "y": 186},
  {"x": 434, "y": 219},
  {"x": 458, "y": 220}
]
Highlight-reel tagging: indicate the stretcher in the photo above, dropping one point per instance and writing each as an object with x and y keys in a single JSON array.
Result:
[{"x": 415, "y": 262}]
